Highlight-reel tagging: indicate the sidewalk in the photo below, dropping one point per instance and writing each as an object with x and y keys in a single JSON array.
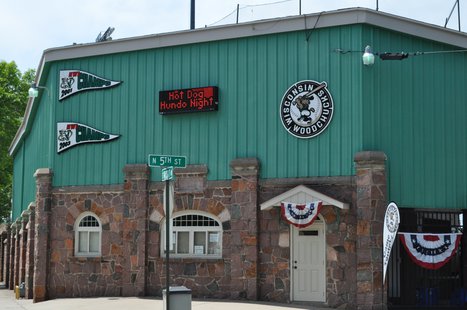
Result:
[{"x": 8, "y": 302}]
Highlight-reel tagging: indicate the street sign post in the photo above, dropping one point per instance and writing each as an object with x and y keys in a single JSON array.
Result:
[
  {"x": 169, "y": 162},
  {"x": 166, "y": 161}
]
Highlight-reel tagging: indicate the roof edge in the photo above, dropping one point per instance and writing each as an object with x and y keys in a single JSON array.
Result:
[{"x": 263, "y": 27}]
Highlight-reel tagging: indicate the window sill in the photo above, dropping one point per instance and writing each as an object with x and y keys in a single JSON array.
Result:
[
  {"x": 194, "y": 258},
  {"x": 86, "y": 258}
]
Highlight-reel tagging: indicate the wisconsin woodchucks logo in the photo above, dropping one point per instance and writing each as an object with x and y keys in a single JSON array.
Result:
[
  {"x": 71, "y": 134},
  {"x": 306, "y": 109},
  {"x": 75, "y": 81}
]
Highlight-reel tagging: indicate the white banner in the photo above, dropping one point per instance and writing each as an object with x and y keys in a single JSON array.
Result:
[
  {"x": 391, "y": 224},
  {"x": 75, "y": 81},
  {"x": 70, "y": 134}
]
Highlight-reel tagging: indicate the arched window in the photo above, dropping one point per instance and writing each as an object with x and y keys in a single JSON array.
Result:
[
  {"x": 194, "y": 234},
  {"x": 88, "y": 235}
]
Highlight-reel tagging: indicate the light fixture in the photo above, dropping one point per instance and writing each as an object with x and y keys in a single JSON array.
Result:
[
  {"x": 34, "y": 90},
  {"x": 368, "y": 56},
  {"x": 393, "y": 56}
]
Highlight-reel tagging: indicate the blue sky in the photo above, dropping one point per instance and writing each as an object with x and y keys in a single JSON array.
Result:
[{"x": 28, "y": 27}]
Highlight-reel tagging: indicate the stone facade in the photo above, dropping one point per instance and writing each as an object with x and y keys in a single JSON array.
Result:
[
  {"x": 255, "y": 261},
  {"x": 371, "y": 206}
]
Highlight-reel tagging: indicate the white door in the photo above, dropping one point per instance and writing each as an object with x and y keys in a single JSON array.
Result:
[{"x": 308, "y": 263}]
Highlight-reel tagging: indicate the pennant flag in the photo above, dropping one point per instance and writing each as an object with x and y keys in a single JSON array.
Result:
[
  {"x": 75, "y": 81},
  {"x": 71, "y": 134},
  {"x": 391, "y": 224},
  {"x": 300, "y": 215},
  {"x": 431, "y": 251}
]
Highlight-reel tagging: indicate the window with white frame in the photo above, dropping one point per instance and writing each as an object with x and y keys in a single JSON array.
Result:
[
  {"x": 88, "y": 235},
  {"x": 195, "y": 235}
]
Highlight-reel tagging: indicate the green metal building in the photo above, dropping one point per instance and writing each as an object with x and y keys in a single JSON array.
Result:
[{"x": 405, "y": 116}]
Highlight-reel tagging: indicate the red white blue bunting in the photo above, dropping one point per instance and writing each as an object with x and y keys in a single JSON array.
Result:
[
  {"x": 431, "y": 251},
  {"x": 300, "y": 215}
]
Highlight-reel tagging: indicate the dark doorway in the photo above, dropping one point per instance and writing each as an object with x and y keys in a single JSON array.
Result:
[{"x": 411, "y": 286}]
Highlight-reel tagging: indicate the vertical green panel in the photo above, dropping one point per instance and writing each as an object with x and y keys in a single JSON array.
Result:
[
  {"x": 416, "y": 115},
  {"x": 18, "y": 183}
]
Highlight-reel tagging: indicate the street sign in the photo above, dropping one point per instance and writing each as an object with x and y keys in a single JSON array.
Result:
[
  {"x": 167, "y": 174},
  {"x": 166, "y": 161}
]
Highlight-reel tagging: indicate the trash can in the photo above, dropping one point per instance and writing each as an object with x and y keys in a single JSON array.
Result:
[
  {"x": 22, "y": 288},
  {"x": 19, "y": 290},
  {"x": 180, "y": 298}
]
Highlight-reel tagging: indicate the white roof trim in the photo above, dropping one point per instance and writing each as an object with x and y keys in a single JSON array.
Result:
[
  {"x": 302, "y": 194},
  {"x": 262, "y": 27}
]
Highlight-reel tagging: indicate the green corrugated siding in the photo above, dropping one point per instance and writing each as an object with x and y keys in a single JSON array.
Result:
[
  {"x": 252, "y": 75},
  {"x": 18, "y": 179},
  {"x": 416, "y": 111},
  {"x": 36, "y": 152}
]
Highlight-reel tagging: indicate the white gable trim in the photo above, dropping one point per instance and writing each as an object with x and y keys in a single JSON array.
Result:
[{"x": 302, "y": 194}]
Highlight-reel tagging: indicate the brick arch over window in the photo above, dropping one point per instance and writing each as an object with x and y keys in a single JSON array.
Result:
[
  {"x": 215, "y": 204},
  {"x": 87, "y": 205}
]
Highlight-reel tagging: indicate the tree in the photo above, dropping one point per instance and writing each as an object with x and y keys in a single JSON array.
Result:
[{"x": 13, "y": 99}]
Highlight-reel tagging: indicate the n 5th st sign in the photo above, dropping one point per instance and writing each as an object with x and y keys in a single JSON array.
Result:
[{"x": 166, "y": 161}]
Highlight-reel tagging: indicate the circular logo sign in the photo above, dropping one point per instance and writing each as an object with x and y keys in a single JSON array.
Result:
[
  {"x": 392, "y": 218},
  {"x": 306, "y": 109}
]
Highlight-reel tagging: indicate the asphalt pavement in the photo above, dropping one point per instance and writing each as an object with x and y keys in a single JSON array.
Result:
[{"x": 8, "y": 301}]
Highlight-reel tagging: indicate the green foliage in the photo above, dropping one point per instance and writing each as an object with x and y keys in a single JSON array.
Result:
[{"x": 13, "y": 99}]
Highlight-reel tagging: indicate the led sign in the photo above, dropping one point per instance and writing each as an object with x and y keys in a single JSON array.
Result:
[{"x": 188, "y": 100}]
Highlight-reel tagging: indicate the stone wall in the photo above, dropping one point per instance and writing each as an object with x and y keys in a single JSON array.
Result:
[
  {"x": 371, "y": 206},
  {"x": 255, "y": 261},
  {"x": 229, "y": 277},
  {"x": 72, "y": 276}
]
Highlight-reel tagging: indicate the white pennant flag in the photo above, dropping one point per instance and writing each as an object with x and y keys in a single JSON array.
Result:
[{"x": 391, "y": 224}]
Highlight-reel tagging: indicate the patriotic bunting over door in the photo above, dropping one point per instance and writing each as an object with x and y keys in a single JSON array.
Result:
[
  {"x": 300, "y": 215},
  {"x": 431, "y": 251}
]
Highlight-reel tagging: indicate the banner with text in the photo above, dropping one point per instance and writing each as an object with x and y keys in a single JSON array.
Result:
[
  {"x": 71, "y": 134},
  {"x": 431, "y": 251},
  {"x": 391, "y": 224},
  {"x": 75, "y": 81}
]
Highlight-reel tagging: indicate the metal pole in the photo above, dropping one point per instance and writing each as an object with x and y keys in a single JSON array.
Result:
[
  {"x": 167, "y": 245},
  {"x": 377, "y": 5},
  {"x": 300, "y": 7},
  {"x": 238, "y": 8},
  {"x": 192, "y": 15},
  {"x": 459, "y": 14}
]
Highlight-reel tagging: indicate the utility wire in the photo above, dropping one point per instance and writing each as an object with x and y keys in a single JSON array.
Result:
[{"x": 248, "y": 6}]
